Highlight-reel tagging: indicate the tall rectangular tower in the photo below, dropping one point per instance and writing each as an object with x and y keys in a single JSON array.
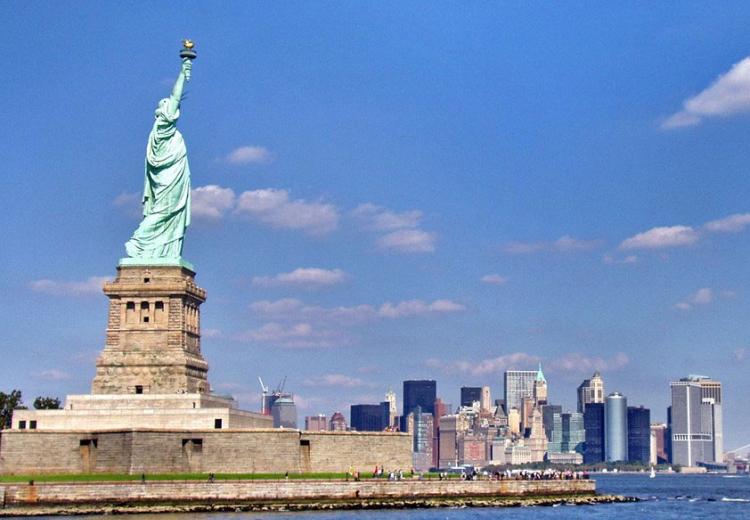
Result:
[
  {"x": 469, "y": 394},
  {"x": 518, "y": 384},
  {"x": 639, "y": 434},
  {"x": 419, "y": 393},
  {"x": 691, "y": 437}
]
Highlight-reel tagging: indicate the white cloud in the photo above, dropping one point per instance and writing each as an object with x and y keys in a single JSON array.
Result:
[
  {"x": 290, "y": 309},
  {"x": 568, "y": 243},
  {"x": 130, "y": 203},
  {"x": 379, "y": 218},
  {"x": 579, "y": 363},
  {"x": 702, "y": 296},
  {"x": 494, "y": 365},
  {"x": 297, "y": 335},
  {"x": 249, "y": 155},
  {"x": 571, "y": 362},
  {"x": 564, "y": 244},
  {"x": 211, "y": 202},
  {"x": 92, "y": 285},
  {"x": 336, "y": 380},
  {"x": 729, "y": 94},
  {"x": 307, "y": 277},
  {"x": 401, "y": 231},
  {"x": 611, "y": 259},
  {"x": 273, "y": 207},
  {"x": 292, "y": 323},
  {"x": 418, "y": 308},
  {"x": 211, "y": 333},
  {"x": 278, "y": 307},
  {"x": 731, "y": 224},
  {"x": 494, "y": 279},
  {"x": 661, "y": 237},
  {"x": 53, "y": 375},
  {"x": 408, "y": 241}
]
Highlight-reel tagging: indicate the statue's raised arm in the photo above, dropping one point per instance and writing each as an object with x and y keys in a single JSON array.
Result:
[
  {"x": 166, "y": 192},
  {"x": 179, "y": 84}
]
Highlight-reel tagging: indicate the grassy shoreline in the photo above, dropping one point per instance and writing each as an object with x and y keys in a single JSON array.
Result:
[{"x": 110, "y": 477}]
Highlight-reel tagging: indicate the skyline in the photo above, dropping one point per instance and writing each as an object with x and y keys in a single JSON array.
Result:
[{"x": 416, "y": 193}]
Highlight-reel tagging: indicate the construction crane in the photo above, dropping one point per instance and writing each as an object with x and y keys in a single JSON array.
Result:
[
  {"x": 737, "y": 450},
  {"x": 265, "y": 409}
]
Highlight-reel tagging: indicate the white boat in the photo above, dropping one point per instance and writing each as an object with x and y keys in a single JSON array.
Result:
[{"x": 653, "y": 473}]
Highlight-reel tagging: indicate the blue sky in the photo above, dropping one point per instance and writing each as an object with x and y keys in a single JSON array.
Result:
[{"x": 396, "y": 190}]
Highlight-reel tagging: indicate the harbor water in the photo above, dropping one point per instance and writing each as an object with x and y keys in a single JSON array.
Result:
[{"x": 668, "y": 496}]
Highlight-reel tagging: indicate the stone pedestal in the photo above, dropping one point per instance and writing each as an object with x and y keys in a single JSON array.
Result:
[{"x": 153, "y": 333}]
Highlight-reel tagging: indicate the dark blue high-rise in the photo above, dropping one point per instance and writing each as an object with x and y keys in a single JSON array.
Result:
[{"x": 420, "y": 393}]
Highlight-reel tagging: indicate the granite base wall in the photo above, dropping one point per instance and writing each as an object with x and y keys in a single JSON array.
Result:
[
  {"x": 30, "y": 452},
  {"x": 249, "y": 491}
]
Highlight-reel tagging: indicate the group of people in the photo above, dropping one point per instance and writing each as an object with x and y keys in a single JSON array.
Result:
[
  {"x": 535, "y": 474},
  {"x": 472, "y": 474},
  {"x": 380, "y": 472}
]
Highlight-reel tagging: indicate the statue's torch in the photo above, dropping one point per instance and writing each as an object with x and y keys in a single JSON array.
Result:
[{"x": 188, "y": 51}]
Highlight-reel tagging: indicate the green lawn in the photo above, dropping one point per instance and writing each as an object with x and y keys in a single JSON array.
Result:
[{"x": 100, "y": 477}]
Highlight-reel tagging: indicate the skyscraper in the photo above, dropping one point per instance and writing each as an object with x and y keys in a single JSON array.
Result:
[
  {"x": 711, "y": 399},
  {"x": 695, "y": 421},
  {"x": 639, "y": 434},
  {"x": 659, "y": 443},
  {"x": 390, "y": 397},
  {"x": 574, "y": 433},
  {"x": 590, "y": 391},
  {"x": 517, "y": 385},
  {"x": 593, "y": 423},
  {"x": 486, "y": 400},
  {"x": 441, "y": 409},
  {"x": 337, "y": 422},
  {"x": 548, "y": 418},
  {"x": 616, "y": 427},
  {"x": 537, "y": 439},
  {"x": 316, "y": 423},
  {"x": 540, "y": 387},
  {"x": 568, "y": 434},
  {"x": 369, "y": 417},
  {"x": 419, "y": 393},
  {"x": 284, "y": 412},
  {"x": 469, "y": 394},
  {"x": 421, "y": 427}
]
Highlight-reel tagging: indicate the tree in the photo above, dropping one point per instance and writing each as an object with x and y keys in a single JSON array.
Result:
[
  {"x": 8, "y": 403},
  {"x": 47, "y": 403}
]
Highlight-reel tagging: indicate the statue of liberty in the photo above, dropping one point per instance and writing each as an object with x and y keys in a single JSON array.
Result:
[{"x": 166, "y": 191}]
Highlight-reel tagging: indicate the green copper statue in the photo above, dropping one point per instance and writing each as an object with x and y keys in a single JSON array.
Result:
[{"x": 166, "y": 193}]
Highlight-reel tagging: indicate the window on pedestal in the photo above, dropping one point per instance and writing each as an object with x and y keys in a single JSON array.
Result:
[
  {"x": 138, "y": 389},
  {"x": 145, "y": 316},
  {"x": 159, "y": 316},
  {"x": 130, "y": 316}
]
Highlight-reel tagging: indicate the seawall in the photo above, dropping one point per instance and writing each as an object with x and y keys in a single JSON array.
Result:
[{"x": 165, "y": 496}]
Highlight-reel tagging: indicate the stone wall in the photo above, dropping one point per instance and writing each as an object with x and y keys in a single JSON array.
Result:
[
  {"x": 278, "y": 490},
  {"x": 147, "y": 418},
  {"x": 329, "y": 450},
  {"x": 204, "y": 451}
]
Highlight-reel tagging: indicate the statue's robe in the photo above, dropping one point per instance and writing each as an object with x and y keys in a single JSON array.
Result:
[{"x": 166, "y": 193}]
